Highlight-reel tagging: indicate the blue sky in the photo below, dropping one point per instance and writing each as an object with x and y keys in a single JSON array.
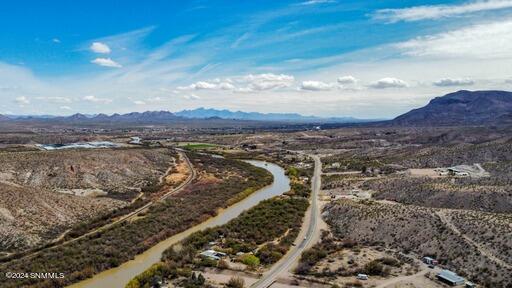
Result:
[{"x": 367, "y": 59}]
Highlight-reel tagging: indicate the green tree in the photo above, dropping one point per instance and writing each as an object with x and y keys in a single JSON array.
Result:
[{"x": 250, "y": 260}]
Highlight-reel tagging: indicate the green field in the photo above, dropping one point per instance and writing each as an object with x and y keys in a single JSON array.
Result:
[{"x": 198, "y": 146}]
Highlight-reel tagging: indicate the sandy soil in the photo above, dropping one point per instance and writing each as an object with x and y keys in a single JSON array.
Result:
[
  {"x": 426, "y": 172},
  {"x": 182, "y": 173},
  {"x": 418, "y": 280}
]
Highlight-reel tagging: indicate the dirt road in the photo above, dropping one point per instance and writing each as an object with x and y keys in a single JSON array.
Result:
[
  {"x": 470, "y": 241},
  {"x": 389, "y": 283},
  {"x": 132, "y": 214}
]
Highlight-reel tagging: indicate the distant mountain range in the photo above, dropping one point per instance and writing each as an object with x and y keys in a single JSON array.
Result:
[
  {"x": 144, "y": 117},
  {"x": 162, "y": 117},
  {"x": 134, "y": 117},
  {"x": 461, "y": 108},
  {"x": 458, "y": 108},
  {"x": 203, "y": 113}
]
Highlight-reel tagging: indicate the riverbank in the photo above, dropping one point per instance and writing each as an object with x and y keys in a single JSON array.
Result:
[
  {"x": 107, "y": 249},
  {"x": 250, "y": 243},
  {"x": 120, "y": 276}
]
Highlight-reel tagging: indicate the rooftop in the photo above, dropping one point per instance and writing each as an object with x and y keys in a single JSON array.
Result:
[{"x": 450, "y": 276}]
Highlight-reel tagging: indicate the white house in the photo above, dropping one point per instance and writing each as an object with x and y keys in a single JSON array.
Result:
[
  {"x": 212, "y": 254},
  {"x": 135, "y": 140}
]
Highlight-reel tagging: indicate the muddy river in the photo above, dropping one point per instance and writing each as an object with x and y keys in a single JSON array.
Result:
[{"x": 121, "y": 275}]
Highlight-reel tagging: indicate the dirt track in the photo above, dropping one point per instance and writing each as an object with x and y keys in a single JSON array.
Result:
[
  {"x": 470, "y": 241},
  {"x": 133, "y": 214}
]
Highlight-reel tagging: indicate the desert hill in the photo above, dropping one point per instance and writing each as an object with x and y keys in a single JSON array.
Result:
[{"x": 461, "y": 108}]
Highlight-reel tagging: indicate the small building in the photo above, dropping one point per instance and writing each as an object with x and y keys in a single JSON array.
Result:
[
  {"x": 429, "y": 261},
  {"x": 212, "y": 254},
  {"x": 336, "y": 165},
  {"x": 442, "y": 171},
  {"x": 135, "y": 140},
  {"x": 355, "y": 192},
  {"x": 460, "y": 170},
  {"x": 450, "y": 278},
  {"x": 462, "y": 174}
]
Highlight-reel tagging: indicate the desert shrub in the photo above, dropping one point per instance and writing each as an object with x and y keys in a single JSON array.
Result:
[
  {"x": 309, "y": 258},
  {"x": 236, "y": 282},
  {"x": 263, "y": 223},
  {"x": 250, "y": 260},
  {"x": 207, "y": 262},
  {"x": 292, "y": 172},
  {"x": 390, "y": 261},
  {"x": 271, "y": 253},
  {"x": 374, "y": 267},
  {"x": 99, "y": 251},
  {"x": 194, "y": 281},
  {"x": 222, "y": 264},
  {"x": 354, "y": 284},
  {"x": 155, "y": 272}
]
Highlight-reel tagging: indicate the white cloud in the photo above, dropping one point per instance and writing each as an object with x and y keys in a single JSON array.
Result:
[
  {"x": 420, "y": 65},
  {"x": 314, "y": 2},
  {"x": 446, "y": 82},
  {"x": 315, "y": 86},
  {"x": 65, "y": 108},
  {"x": 489, "y": 40},
  {"x": 98, "y": 47},
  {"x": 155, "y": 100},
  {"x": 248, "y": 83},
  {"x": 106, "y": 62},
  {"x": 204, "y": 85},
  {"x": 388, "y": 82},
  {"x": 240, "y": 39},
  {"x": 439, "y": 11},
  {"x": 56, "y": 40},
  {"x": 94, "y": 99},
  {"x": 347, "y": 79},
  {"x": 55, "y": 99},
  {"x": 509, "y": 81},
  {"x": 138, "y": 102},
  {"x": 191, "y": 97},
  {"x": 268, "y": 81},
  {"x": 225, "y": 86},
  {"x": 22, "y": 101},
  {"x": 244, "y": 90}
]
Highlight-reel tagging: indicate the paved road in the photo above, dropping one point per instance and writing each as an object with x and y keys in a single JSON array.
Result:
[{"x": 287, "y": 261}]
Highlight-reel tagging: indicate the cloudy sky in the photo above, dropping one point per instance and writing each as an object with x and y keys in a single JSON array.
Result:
[{"x": 362, "y": 58}]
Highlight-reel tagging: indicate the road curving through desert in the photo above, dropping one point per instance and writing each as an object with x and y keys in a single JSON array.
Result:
[
  {"x": 121, "y": 275},
  {"x": 307, "y": 237}
]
